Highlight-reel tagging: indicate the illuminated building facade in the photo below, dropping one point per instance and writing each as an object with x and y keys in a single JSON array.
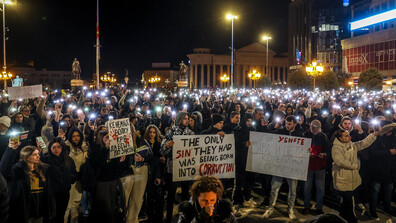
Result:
[
  {"x": 373, "y": 44},
  {"x": 315, "y": 32}
]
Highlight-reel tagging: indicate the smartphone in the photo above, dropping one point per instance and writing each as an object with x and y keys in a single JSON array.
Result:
[
  {"x": 15, "y": 137},
  {"x": 40, "y": 141}
]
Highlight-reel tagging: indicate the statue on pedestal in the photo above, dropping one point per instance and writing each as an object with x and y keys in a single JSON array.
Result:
[
  {"x": 76, "y": 69},
  {"x": 17, "y": 82},
  {"x": 183, "y": 72}
]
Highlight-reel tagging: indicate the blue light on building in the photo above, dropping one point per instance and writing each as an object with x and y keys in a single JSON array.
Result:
[{"x": 345, "y": 3}]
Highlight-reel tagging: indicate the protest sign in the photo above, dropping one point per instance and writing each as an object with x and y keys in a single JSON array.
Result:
[
  {"x": 203, "y": 155},
  {"x": 279, "y": 155},
  {"x": 121, "y": 142},
  {"x": 32, "y": 91}
]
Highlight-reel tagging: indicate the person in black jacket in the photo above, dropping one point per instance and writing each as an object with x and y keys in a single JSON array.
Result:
[
  {"x": 4, "y": 200},
  {"x": 243, "y": 179},
  {"x": 382, "y": 165},
  {"x": 30, "y": 192},
  {"x": 62, "y": 172},
  {"x": 217, "y": 125},
  {"x": 235, "y": 118},
  {"x": 107, "y": 172},
  {"x": 206, "y": 204},
  {"x": 155, "y": 197}
]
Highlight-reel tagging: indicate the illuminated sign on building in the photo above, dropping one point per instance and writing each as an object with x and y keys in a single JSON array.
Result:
[
  {"x": 345, "y": 3},
  {"x": 382, "y": 17},
  {"x": 381, "y": 56}
]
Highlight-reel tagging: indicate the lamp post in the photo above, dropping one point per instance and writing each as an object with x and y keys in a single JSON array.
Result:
[
  {"x": 254, "y": 75},
  {"x": 154, "y": 80},
  {"x": 314, "y": 70},
  {"x": 225, "y": 78},
  {"x": 4, "y": 2},
  {"x": 232, "y": 17},
  {"x": 266, "y": 38},
  {"x": 4, "y": 76}
]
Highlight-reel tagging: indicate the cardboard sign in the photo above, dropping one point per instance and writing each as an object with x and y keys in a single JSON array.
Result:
[
  {"x": 121, "y": 141},
  {"x": 279, "y": 155},
  {"x": 25, "y": 92},
  {"x": 203, "y": 155}
]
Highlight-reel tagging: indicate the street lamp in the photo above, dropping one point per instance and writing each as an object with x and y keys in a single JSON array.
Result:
[
  {"x": 266, "y": 63},
  {"x": 4, "y": 76},
  {"x": 4, "y": 2},
  {"x": 225, "y": 78},
  {"x": 254, "y": 75},
  {"x": 154, "y": 79},
  {"x": 232, "y": 17},
  {"x": 314, "y": 70}
]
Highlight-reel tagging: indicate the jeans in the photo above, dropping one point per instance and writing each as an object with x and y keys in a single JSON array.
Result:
[
  {"x": 347, "y": 207},
  {"x": 86, "y": 201},
  {"x": 319, "y": 176},
  {"x": 276, "y": 183},
  {"x": 386, "y": 200}
]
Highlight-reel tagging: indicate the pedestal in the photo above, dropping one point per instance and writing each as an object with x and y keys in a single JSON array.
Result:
[{"x": 76, "y": 84}]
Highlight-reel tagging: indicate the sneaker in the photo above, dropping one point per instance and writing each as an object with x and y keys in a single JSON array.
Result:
[
  {"x": 374, "y": 216},
  {"x": 250, "y": 203},
  {"x": 306, "y": 211},
  {"x": 292, "y": 215},
  {"x": 360, "y": 207},
  {"x": 235, "y": 211},
  {"x": 319, "y": 212},
  {"x": 268, "y": 212}
]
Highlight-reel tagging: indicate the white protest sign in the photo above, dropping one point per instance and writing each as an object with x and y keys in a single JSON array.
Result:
[
  {"x": 279, "y": 155},
  {"x": 32, "y": 91},
  {"x": 203, "y": 155},
  {"x": 121, "y": 141}
]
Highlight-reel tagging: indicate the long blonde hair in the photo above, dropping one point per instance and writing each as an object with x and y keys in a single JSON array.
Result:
[{"x": 39, "y": 167}]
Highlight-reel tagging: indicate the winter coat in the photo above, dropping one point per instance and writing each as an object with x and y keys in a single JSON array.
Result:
[
  {"x": 242, "y": 134},
  {"x": 382, "y": 165},
  {"x": 61, "y": 171},
  {"x": 320, "y": 144},
  {"x": 192, "y": 212},
  {"x": 210, "y": 131},
  {"x": 4, "y": 200},
  {"x": 20, "y": 192},
  {"x": 346, "y": 164}
]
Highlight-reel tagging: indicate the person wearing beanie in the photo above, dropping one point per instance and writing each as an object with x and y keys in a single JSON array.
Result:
[
  {"x": 216, "y": 127},
  {"x": 316, "y": 168},
  {"x": 5, "y": 123},
  {"x": 179, "y": 128}
]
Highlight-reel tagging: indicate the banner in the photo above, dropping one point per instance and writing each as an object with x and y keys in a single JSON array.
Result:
[
  {"x": 279, "y": 155},
  {"x": 121, "y": 141},
  {"x": 33, "y": 91},
  {"x": 201, "y": 155}
]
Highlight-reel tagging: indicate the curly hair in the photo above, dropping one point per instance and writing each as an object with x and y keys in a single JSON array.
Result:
[{"x": 206, "y": 184}]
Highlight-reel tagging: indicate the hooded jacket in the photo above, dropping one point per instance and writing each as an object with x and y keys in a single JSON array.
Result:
[
  {"x": 78, "y": 152},
  {"x": 242, "y": 135},
  {"x": 346, "y": 164}
]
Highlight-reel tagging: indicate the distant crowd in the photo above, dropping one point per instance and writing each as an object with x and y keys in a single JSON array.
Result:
[{"x": 55, "y": 164}]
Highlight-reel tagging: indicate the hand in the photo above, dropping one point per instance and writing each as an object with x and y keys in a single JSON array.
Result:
[
  {"x": 209, "y": 209},
  {"x": 310, "y": 149},
  {"x": 61, "y": 133},
  {"x": 358, "y": 128},
  {"x": 107, "y": 144},
  {"x": 39, "y": 148},
  {"x": 81, "y": 116},
  {"x": 159, "y": 180},
  {"x": 393, "y": 152},
  {"x": 13, "y": 145},
  {"x": 122, "y": 158},
  {"x": 248, "y": 143},
  {"x": 263, "y": 123},
  {"x": 170, "y": 144},
  {"x": 321, "y": 155},
  {"x": 162, "y": 159},
  {"x": 221, "y": 133},
  {"x": 139, "y": 158}
]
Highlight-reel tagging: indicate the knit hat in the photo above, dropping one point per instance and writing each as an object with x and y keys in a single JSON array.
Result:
[
  {"x": 5, "y": 120},
  {"x": 179, "y": 118},
  {"x": 216, "y": 118}
]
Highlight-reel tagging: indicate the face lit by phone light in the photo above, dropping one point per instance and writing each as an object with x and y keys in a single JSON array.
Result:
[{"x": 56, "y": 149}]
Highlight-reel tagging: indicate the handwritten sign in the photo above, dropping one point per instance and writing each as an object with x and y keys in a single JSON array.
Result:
[
  {"x": 32, "y": 91},
  {"x": 203, "y": 155},
  {"x": 121, "y": 142},
  {"x": 279, "y": 155}
]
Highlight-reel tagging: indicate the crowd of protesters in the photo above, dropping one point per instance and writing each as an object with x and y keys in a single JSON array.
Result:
[{"x": 55, "y": 164}]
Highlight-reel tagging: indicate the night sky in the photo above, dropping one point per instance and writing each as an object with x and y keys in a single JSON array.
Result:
[{"x": 133, "y": 34}]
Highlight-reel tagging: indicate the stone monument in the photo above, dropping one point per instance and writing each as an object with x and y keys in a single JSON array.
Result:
[{"x": 76, "y": 83}]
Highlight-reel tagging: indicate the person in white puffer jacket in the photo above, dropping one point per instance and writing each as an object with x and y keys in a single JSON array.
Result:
[{"x": 79, "y": 153}]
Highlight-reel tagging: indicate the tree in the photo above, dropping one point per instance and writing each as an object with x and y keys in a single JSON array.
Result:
[
  {"x": 299, "y": 79},
  {"x": 327, "y": 81},
  {"x": 370, "y": 79},
  {"x": 263, "y": 82},
  {"x": 343, "y": 78}
]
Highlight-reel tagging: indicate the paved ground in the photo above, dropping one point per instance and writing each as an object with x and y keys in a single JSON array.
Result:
[{"x": 280, "y": 215}]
